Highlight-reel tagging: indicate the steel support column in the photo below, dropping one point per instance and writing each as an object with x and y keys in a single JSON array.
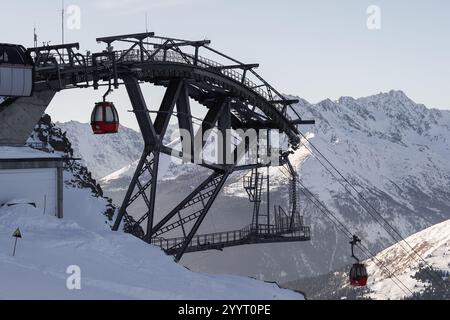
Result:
[
  {"x": 140, "y": 110},
  {"x": 151, "y": 207},
  {"x": 147, "y": 166},
  {"x": 185, "y": 121},
  {"x": 167, "y": 106}
]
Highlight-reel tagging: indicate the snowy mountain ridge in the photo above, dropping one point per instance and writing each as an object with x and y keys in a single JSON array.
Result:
[
  {"x": 389, "y": 146},
  {"x": 103, "y": 154}
]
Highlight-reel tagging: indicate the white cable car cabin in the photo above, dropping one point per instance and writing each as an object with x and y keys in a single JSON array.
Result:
[{"x": 16, "y": 71}]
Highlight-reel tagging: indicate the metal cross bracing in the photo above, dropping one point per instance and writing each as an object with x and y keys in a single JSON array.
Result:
[
  {"x": 235, "y": 97},
  {"x": 277, "y": 230}
]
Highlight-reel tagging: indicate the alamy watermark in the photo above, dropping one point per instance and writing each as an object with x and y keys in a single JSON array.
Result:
[
  {"x": 73, "y": 17},
  {"x": 374, "y": 17},
  {"x": 229, "y": 147},
  {"x": 73, "y": 281}
]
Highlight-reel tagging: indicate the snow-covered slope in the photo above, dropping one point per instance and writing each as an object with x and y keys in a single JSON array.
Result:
[
  {"x": 169, "y": 169},
  {"x": 433, "y": 244},
  {"x": 113, "y": 265},
  {"x": 103, "y": 154},
  {"x": 395, "y": 273}
]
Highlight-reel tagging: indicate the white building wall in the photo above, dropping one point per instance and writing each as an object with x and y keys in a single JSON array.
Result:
[{"x": 37, "y": 185}]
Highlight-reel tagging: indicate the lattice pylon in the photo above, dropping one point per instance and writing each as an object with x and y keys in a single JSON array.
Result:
[{"x": 145, "y": 178}]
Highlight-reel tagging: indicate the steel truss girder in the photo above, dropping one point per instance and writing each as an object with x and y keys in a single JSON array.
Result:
[
  {"x": 193, "y": 198},
  {"x": 205, "y": 194},
  {"x": 148, "y": 163},
  {"x": 147, "y": 169},
  {"x": 170, "y": 60},
  {"x": 144, "y": 182}
]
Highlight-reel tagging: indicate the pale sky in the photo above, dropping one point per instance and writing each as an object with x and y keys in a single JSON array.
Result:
[{"x": 315, "y": 49}]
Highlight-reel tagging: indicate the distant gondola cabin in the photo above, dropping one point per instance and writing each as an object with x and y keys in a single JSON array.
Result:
[{"x": 358, "y": 275}]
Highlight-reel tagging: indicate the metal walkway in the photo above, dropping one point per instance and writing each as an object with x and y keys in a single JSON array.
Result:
[
  {"x": 62, "y": 67},
  {"x": 248, "y": 235}
]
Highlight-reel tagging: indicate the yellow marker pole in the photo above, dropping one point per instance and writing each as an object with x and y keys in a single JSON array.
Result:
[
  {"x": 15, "y": 244},
  {"x": 17, "y": 234}
]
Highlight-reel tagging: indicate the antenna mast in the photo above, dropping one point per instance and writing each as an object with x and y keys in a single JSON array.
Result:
[
  {"x": 146, "y": 25},
  {"x": 35, "y": 37},
  {"x": 62, "y": 21}
]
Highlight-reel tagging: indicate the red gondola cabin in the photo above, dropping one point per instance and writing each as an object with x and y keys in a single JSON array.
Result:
[
  {"x": 358, "y": 275},
  {"x": 104, "y": 119}
]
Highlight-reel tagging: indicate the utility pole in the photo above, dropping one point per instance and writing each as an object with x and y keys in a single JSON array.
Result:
[
  {"x": 62, "y": 21},
  {"x": 35, "y": 37},
  {"x": 268, "y": 199},
  {"x": 146, "y": 25}
]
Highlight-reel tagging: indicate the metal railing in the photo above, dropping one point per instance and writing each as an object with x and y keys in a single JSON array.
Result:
[
  {"x": 262, "y": 89},
  {"x": 236, "y": 236},
  {"x": 134, "y": 55}
]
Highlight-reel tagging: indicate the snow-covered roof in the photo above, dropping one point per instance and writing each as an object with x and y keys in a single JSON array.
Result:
[{"x": 15, "y": 153}]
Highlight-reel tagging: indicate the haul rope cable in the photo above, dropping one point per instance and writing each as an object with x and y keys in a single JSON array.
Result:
[
  {"x": 341, "y": 227},
  {"x": 366, "y": 201}
]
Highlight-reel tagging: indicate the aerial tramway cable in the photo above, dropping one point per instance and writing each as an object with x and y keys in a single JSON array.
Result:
[
  {"x": 368, "y": 203},
  {"x": 348, "y": 234}
]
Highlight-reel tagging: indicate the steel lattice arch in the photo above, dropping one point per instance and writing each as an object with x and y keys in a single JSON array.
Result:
[{"x": 235, "y": 97}]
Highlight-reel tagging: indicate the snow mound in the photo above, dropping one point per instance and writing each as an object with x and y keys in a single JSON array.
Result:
[{"x": 113, "y": 265}]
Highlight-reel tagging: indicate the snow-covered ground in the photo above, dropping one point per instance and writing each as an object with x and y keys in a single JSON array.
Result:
[
  {"x": 113, "y": 265},
  {"x": 23, "y": 153},
  {"x": 433, "y": 244}
]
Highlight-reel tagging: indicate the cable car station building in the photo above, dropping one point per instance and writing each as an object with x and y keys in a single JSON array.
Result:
[
  {"x": 32, "y": 176},
  {"x": 26, "y": 175}
]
